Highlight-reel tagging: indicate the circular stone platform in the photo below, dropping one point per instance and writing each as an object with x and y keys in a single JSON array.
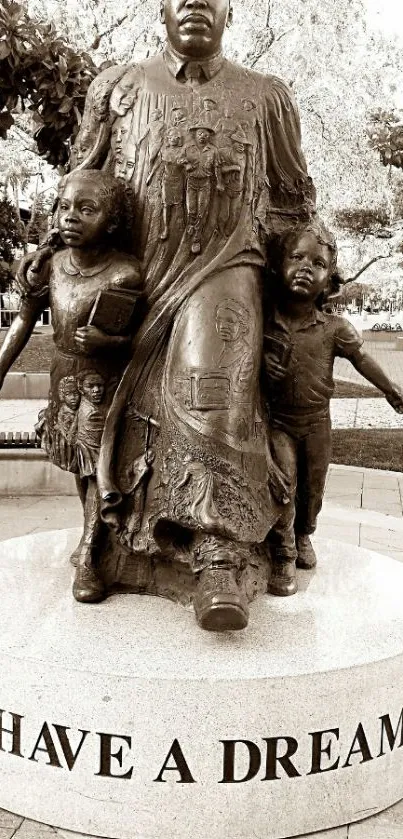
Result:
[{"x": 125, "y": 719}]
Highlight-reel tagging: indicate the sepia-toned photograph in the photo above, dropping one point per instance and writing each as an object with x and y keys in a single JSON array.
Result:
[{"x": 201, "y": 419}]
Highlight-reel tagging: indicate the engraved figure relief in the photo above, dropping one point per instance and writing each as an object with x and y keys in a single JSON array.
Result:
[
  {"x": 154, "y": 134},
  {"x": 124, "y": 96},
  {"x": 232, "y": 325},
  {"x": 91, "y": 144},
  {"x": 122, "y": 104},
  {"x": 202, "y": 507},
  {"x": 119, "y": 136},
  {"x": 172, "y": 178},
  {"x": 83, "y": 147},
  {"x": 57, "y": 424},
  {"x": 69, "y": 397},
  {"x": 248, "y": 118},
  {"x": 64, "y": 435},
  {"x": 179, "y": 116},
  {"x": 202, "y": 164},
  {"x": 227, "y": 125},
  {"x": 199, "y": 158},
  {"x": 90, "y": 420},
  {"x": 233, "y": 169},
  {"x": 209, "y": 105}
]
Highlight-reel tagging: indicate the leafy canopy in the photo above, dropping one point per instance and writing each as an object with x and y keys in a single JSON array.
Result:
[{"x": 40, "y": 71}]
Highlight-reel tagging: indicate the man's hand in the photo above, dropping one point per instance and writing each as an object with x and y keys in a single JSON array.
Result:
[
  {"x": 31, "y": 268},
  {"x": 395, "y": 399},
  {"x": 274, "y": 370}
]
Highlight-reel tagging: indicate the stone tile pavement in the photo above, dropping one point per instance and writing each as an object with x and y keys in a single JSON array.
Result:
[{"x": 19, "y": 414}]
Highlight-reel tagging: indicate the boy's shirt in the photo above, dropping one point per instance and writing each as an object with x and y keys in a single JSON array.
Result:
[{"x": 309, "y": 352}]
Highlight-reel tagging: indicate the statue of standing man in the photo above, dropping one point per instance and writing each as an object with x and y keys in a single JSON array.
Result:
[{"x": 208, "y": 492}]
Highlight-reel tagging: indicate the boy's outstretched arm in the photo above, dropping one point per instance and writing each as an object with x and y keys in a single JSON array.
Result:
[
  {"x": 19, "y": 334},
  {"x": 374, "y": 374}
]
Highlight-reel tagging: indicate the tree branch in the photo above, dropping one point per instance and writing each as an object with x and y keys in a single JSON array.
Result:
[
  {"x": 97, "y": 41},
  {"x": 314, "y": 113},
  {"x": 367, "y": 265},
  {"x": 268, "y": 14},
  {"x": 283, "y": 34}
]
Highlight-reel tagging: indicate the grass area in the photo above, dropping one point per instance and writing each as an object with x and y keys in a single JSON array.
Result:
[
  {"x": 375, "y": 448},
  {"x": 351, "y": 390},
  {"x": 37, "y": 355}
]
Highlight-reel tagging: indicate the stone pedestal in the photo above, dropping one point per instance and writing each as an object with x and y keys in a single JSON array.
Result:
[{"x": 126, "y": 720}]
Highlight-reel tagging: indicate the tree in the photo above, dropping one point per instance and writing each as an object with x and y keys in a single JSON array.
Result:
[
  {"x": 11, "y": 237},
  {"x": 353, "y": 293},
  {"x": 41, "y": 72}
]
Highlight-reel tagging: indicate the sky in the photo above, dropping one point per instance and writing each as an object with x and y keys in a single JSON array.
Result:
[{"x": 386, "y": 15}]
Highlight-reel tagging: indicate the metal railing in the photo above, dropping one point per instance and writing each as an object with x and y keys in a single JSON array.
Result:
[
  {"x": 8, "y": 314},
  {"x": 19, "y": 440}
]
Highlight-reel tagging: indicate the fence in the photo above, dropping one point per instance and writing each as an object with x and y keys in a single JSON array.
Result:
[{"x": 9, "y": 308}]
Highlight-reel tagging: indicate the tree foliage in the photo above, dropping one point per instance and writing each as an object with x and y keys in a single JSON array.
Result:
[
  {"x": 40, "y": 71},
  {"x": 353, "y": 291},
  {"x": 11, "y": 237},
  {"x": 385, "y": 132},
  {"x": 362, "y": 219}
]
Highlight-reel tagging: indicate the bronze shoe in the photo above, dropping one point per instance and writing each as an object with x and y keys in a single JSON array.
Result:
[
  {"x": 283, "y": 579},
  {"x": 306, "y": 554},
  {"x": 219, "y": 603},
  {"x": 87, "y": 586}
]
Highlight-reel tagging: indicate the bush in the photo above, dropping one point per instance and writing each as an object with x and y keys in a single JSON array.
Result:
[{"x": 362, "y": 219}]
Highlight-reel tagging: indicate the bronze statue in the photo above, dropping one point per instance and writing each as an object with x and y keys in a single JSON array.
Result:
[
  {"x": 210, "y": 154},
  {"x": 300, "y": 345},
  {"x": 89, "y": 360}
]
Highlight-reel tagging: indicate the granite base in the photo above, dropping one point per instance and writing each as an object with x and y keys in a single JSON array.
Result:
[{"x": 126, "y": 720}]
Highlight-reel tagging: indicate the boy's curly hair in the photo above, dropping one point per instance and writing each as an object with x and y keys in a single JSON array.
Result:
[
  {"x": 279, "y": 245},
  {"x": 63, "y": 385},
  {"x": 83, "y": 374}
]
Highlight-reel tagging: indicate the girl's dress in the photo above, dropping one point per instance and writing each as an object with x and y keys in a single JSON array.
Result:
[{"x": 71, "y": 426}]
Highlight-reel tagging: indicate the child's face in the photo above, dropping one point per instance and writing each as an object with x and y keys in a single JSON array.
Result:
[
  {"x": 93, "y": 389},
  {"x": 306, "y": 267},
  {"x": 83, "y": 214},
  {"x": 71, "y": 396}
]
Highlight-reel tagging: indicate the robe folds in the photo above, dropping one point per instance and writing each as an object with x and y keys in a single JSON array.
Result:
[{"x": 213, "y": 168}]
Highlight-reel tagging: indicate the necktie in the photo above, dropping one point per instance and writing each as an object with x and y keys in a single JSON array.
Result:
[{"x": 193, "y": 72}]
